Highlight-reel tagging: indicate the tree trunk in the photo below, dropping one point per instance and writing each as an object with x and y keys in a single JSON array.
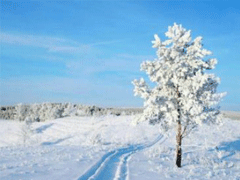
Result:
[
  {"x": 179, "y": 143},
  {"x": 179, "y": 135}
]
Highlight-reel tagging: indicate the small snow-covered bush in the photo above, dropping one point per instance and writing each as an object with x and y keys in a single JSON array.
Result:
[
  {"x": 95, "y": 139},
  {"x": 21, "y": 112},
  {"x": 26, "y": 131}
]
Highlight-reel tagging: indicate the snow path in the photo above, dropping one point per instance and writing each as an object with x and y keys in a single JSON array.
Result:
[{"x": 114, "y": 164}]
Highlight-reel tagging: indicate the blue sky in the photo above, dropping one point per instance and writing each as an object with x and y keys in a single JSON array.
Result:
[{"x": 88, "y": 52}]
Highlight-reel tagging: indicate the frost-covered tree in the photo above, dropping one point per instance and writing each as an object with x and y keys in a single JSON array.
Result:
[
  {"x": 21, "y": 112},
  {"x": 184, "y": 96}
]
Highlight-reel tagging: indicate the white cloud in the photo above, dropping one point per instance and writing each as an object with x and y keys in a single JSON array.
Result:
[
  {"x": 121, "y": 62},
  {"x": 52, "y": 44},
  {"x": 30, "y": 40},
  {"x": 70, "y": 49}
]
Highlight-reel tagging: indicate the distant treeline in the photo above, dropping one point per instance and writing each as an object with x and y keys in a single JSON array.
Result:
[{"x": 46, "y": 111}]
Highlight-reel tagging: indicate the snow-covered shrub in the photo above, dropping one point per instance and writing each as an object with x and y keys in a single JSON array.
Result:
[
  {"x": 95, "y": 139},
  {"x": 26, "y": 131},
  {"x": 70, "y": 110},
  {"x": 21, "y": 112},
  {"x": 38, "y": 112},
  {"x": 55, "y": 112}
]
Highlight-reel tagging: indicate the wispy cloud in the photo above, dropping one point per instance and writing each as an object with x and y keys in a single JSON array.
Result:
[
  {"x": 52, "y": 44},
  {"x": 70, "y": 49},
  {"x": 120, "y": 62},
  {"x": 30, "y": 40}
]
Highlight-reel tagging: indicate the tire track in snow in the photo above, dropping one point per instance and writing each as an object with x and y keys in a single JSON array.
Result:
[
  {"x": 114, "y": 165},
  {"x": 122, "y": 172}
]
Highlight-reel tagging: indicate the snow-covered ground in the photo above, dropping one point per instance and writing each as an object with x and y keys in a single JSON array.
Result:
[{"x": 112, "y": 147}]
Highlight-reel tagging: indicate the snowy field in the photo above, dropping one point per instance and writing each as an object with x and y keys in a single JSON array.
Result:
[{"x": 112, "y": 147}]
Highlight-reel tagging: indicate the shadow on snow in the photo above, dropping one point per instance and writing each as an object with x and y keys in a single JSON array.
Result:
[
  {"x": 56, "y": 142},
  {"x": 43, "y": 128}
]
